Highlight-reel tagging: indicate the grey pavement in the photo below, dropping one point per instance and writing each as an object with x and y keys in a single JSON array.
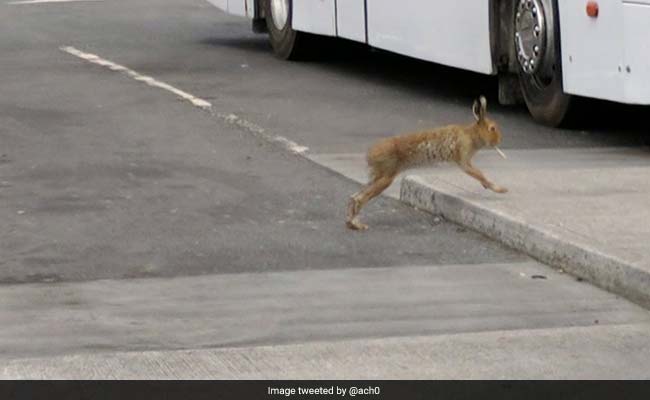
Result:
[
  {"x": 585, "y": 211},
  {"x": 135, "y": 224}
]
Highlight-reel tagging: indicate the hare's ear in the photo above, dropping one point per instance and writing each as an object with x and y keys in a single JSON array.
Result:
[
  {"x": 479, "y": 109},
  {"x": 476, "y": 110}
]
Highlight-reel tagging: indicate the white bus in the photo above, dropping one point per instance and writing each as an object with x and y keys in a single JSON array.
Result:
[{"x": 543, "y": 51}]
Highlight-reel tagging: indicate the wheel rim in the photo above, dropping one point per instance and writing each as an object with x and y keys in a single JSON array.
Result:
[
  {"x": 280, "y": 13},
  {"x": 534, "y": 41}
]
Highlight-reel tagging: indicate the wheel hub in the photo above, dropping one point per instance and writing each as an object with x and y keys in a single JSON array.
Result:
[
  {"x": 280, "y": 13},
  {"x": 530, "y": 35}
]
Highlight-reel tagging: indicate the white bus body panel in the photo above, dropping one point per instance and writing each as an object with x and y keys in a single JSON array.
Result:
[
  {"x": 449, "y": 32},
  {"x": 596, "y": 52},
  {"x": 244, "y": 8},
  {"x": 454, "y": 33},
  {"x": 351, "y": 19},
  {"x": 637, "y": 52},
  {"x": 315, "y": 16}
]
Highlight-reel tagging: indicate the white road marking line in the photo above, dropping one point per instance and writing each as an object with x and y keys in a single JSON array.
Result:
[
  {"x": 22, "y": 2},
  {"x": 257, "y": 130},
  {"x": 138, "y": 77},
  {"x": 230, "y": 118}
]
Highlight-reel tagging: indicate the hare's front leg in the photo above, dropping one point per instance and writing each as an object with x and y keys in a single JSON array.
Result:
[{"x": 478, "y": 175}]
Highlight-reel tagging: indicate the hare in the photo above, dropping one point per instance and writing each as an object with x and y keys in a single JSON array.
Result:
[{"x": 457, "y": 143}]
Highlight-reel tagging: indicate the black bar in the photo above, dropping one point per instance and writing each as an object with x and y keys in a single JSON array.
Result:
[{"x": 429, "y": 390}]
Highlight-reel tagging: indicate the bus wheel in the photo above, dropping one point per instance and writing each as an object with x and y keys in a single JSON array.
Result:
[
  {"x": 537, "y": 45},
  {"x": 287, "y": 43}
]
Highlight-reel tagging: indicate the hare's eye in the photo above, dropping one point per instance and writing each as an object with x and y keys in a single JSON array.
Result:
[{"x": 493, "y": 128}]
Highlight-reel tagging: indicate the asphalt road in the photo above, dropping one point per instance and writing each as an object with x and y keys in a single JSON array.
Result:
[{"x": 104, "y": 177}]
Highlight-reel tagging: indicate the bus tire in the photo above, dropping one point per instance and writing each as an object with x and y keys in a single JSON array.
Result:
[
  {"x": 287, "y": 43},
  {"x": 537, "y": 48}
]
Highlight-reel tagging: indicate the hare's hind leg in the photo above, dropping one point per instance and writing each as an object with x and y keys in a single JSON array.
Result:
[
  {"x": 361, "y": 198},
  {"x": 353, "y": 208},
  {"x": 352, "y": 221}
]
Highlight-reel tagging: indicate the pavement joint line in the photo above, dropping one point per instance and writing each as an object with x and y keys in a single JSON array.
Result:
[{"x": 230, "y": 118}]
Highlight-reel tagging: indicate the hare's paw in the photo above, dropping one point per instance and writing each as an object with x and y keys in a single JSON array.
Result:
[
  {"x": 499, "y": 189},
  {"x": 354, "y": 224}
]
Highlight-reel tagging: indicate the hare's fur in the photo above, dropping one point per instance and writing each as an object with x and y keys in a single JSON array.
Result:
[{"x": 456, "y": 143}]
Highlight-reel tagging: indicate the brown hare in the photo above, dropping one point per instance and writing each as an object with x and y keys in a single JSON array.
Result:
[{"x": 457, "y": 143}]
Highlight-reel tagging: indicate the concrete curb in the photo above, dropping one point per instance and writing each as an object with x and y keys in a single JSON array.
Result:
[{"x": 578, "y": 259}]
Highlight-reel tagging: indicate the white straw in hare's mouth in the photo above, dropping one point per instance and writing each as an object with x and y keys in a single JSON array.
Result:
[{"x": 498, "y": 150}]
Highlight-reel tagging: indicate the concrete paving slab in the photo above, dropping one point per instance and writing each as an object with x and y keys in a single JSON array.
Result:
[
  {"x": 235, "y": 310},
  {"x": 586, "y": 211},
  {"x": 601, "y": 352}
]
